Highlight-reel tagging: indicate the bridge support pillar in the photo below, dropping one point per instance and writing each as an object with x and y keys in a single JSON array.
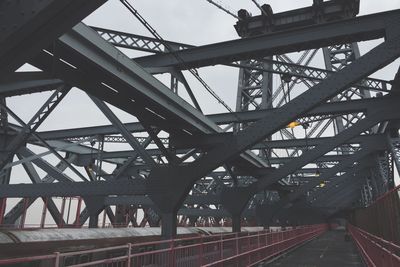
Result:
[
  {"x": 168, "y": 188},
  {"x": 236, "y": 223},
  {"x": 94, "y": 206},
  {"x": 234, "y": 200},
  {"x": 265, "y": 214},
  {"x": 168, "y": 225}
]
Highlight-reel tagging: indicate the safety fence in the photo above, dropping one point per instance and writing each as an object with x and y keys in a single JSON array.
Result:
[
  {"x": 240, "y": 249},
  {"x": 375, "y": 250},
  {"x": 381, "y": 218}
]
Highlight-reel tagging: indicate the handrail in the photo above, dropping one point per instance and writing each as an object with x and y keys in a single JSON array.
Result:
[
  {"x": 375, "y": 250},
  {"x": 195, "y": 251}
]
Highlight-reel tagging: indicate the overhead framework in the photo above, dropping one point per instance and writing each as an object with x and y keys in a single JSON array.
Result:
[{"x": 305, "y": 144}]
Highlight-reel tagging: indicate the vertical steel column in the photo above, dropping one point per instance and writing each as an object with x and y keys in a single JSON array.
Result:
[
  {"x": 62, "y": 212},
  {"x": 104, "y": 219},
  {"x": 44, "y": 212},
  {"x": 254, "y": 88},
  {"x": 336, "y": 58},
  {"x": 23, "y": 216},
  {"x": 3, "y": 152},
  {"x": 168, "y": 225},
  {"x": 254, "y": 93},
  {"x": 78, "y": 212},
  {"x": 236, "y": 223},
  {"x": 3, "y": 205}
]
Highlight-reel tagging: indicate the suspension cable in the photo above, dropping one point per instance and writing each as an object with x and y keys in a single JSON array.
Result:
[
  {"x": 225, "y": 9},
  {"x": 194, "y": 72},
  {"x": 259, "y": 7}
]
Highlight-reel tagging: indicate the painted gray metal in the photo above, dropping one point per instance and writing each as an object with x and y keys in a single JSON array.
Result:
[
  {"x": 28, "y": 26},
  {"x": 94, "y": 65},
  {"x": 351, "y": 30}
]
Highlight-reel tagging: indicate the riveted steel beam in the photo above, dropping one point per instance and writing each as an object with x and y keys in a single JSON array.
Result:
[
  {"x": 66, "y": 189},
  {"x": 185, "y": 176},
  {"x": 28, "y": 26},
  {"x": 334, "y": 108},
  {"x": 344, "y": 31},
  {"x": 85, "y": 54},
  {"x": 20, "y": 83}
]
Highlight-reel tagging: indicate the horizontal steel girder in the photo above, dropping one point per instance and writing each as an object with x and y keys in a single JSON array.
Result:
[
  {"x": 144, "y": 200},
  {"x": 144, "y": 43},
  {"x": 320, "y": 11},
  {"x": 334, "y": 108},
  {"x": 138, "y": 42},
  {"x": 131, "y": 187},
  {"x": 67, "y": 189},
  {"x": 84, "y": 152},
  {"x": 19, "y": 83},
  {"x": 321, "y": 35}
]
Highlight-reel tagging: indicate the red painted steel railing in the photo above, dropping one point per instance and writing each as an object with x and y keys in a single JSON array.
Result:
[
  {"x": 382, "y": 217},
  {"x": 242, "y": 249},
  {"x": 375, "y": 250}
]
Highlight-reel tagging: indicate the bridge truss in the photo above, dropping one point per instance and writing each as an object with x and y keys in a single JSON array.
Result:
[{"x": 305, "y": 143}]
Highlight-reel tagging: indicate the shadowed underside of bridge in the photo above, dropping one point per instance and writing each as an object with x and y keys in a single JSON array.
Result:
[{"x": 313, "y": 138}]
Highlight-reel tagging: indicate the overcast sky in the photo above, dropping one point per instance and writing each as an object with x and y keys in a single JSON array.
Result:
[{"x": 195, "y": 22}]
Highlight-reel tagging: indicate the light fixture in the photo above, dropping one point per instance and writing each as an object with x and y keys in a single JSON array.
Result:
[{"x": 293, "y": 124}]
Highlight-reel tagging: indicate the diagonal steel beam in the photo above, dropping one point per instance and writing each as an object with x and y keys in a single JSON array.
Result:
[
  {"x": 320, "y": 150},
  {"x": 51, "y": 206},
  {"x": 88, "y": 55},
  {"x": 33, "y": 124},
  {"x": 28, "y": 26},
  {"x": 17, "y": 210},
  {"x": 54, "y": 172},
  {"x": 185, "y": 176},
  {"x": 365, "y": 65},
  {"x": 347, "y": 195},
  {"x": 327, "y": 175},
  {"x": 125, "y": 133},
  {"x": 336, "y": 183},
  {"x": 340, "y": 195}
]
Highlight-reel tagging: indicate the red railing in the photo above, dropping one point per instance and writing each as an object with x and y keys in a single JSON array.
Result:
[
  {"x": 382, "y": 217},
  {"x": 375, "y": 250},
  {"x": 243, "y": 249}
]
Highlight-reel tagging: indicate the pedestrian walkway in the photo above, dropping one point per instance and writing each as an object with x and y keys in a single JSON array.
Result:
[{"x": 328, "y": 250}]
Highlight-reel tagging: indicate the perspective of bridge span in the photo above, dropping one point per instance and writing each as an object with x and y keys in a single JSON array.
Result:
[{"x": 191, "y": 133}]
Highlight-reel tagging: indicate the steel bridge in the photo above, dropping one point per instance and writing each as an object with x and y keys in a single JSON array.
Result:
[{"x": 313, "y": 138}]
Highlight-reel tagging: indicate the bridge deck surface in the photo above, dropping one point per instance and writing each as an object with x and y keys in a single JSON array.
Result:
[{"x": 328, "y": 250}]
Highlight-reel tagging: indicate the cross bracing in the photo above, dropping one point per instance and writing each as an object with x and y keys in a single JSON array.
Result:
[{"x": 301, "y": 135}]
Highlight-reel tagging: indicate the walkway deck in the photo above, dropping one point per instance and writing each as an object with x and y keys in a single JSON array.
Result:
[{"x": 328, "y": 250}]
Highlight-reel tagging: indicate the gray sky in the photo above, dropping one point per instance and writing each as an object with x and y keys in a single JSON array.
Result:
[
  {"x": 193, "y": 22},
  {"x": 189, "y": 21}
]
